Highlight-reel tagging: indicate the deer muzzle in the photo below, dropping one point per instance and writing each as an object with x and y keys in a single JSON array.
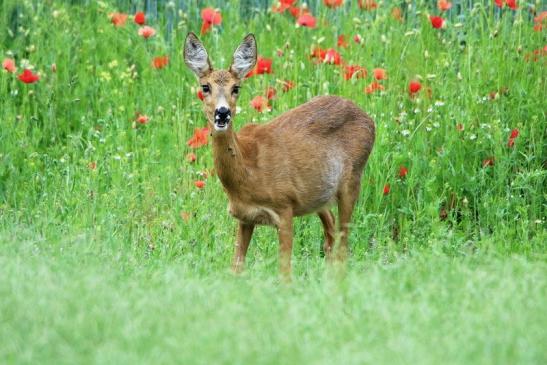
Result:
[{"x": 222, "y": 118}]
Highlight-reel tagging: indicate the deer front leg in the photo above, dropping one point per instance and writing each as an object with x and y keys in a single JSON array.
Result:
[
  {"x": 285, "y": 232},
  {"x": 244, "y": 234}
]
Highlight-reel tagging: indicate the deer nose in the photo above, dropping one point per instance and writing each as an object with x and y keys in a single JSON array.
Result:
[{"x": 222, "y": 114}]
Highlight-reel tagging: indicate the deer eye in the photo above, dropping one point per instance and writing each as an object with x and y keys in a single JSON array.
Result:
[
  {"x": 235, "y": 90},
  {"x": 205, "y": 88}
]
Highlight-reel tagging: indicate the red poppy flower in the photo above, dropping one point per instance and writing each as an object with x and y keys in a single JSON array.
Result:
[
  {"x": 342, "y": 41},
  {"x": 403, "y": 171},
  {"x": 270, "y": 92},
  {"x": 147, "y": 32},
  {"x": 263, "y": 66},
  {"x": 367, "y": 4},
  {"x": 118, "y": 19},
  {"x": 9, "y": 65},
  {"x": 373, "y": 87},
  {"x": 199, "y": 138},
  {"x": 318, "y": 53},
  {"x": 444, "y": 5},
  {"x": 488, "y": 162},
  {"x": 436, "y": 21},
  {"x": 541, "y": 17},
  {"x": 287, "y": 85},
  {"x": 210, "y": 17},
  {"x": 28, "y": 77},
  {"x": 387, "y": 189},
  {"x": 142, "y": 119},
  {"x": 282, "y": 6},
  {"x": 397, "y": 14},
  {"x": 260, "y": 104},
  {"x": 191, "y": 157},
  {"x": 379, "y": 74},
  {"x": 414, "y": 86},
  {"x": 332, "y": 57},
  {"x": 140, "y": 18},
  {"x": 200, "y": 95},
  {"x": 358, "y": 39},
  {"x": 535, "y": 54},
  {"x": 514, "y": 134},
  {"x": 333, "y": 3},
  {"x": 296, "y": 11},
  {"x": 511, "y": 4},
  {"x": 200, "y": 184},
  {"x": 358, "y": 71},
  {"x": 287, "y": 2},
  {"x": 306, "y": 20},
  {"x": 160, "y": 62}
]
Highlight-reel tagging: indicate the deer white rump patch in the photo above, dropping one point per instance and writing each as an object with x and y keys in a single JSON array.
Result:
[{"x": 332, "y": 176}]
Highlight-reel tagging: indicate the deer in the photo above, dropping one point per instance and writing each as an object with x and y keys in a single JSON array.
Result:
[{"x": 302, "y": 162}]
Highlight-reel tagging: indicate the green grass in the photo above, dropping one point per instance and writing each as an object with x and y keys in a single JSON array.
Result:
[
  {"x": 76, "y": 304},
  {"x": 98, "y": 265}
]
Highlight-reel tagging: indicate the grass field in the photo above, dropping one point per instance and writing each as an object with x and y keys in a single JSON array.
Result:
[{"x": 110, "y": 253}]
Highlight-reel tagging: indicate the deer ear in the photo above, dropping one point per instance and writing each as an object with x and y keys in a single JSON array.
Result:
[
  {"x": 195, "y": 56},
  {"x": 244, "y": 59}
]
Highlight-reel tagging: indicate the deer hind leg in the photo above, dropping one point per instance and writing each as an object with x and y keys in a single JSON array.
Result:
[
  {"x": 347, "y": 196},
  {"x": 327, "y": 218},
  {"x": 244, "y": 235},
  {"x": 285, "y": 232}
]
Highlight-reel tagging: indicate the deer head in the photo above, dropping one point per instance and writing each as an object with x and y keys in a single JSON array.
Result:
[{"x": 221, "y": 87}]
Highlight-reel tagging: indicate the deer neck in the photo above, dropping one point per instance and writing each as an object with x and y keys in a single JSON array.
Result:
[{"x": 229, "y": 160}]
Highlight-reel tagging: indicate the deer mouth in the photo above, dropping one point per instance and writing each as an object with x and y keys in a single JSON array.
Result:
[{"x": 221, "y": 124}]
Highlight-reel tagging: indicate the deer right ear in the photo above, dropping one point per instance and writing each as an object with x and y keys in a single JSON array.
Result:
[
  {"x": 195, "y": 56},
  {"x": 244, "y": 57}
]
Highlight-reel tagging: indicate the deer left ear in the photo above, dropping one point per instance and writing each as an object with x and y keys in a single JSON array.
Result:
[{"x": 244, "y": 59}]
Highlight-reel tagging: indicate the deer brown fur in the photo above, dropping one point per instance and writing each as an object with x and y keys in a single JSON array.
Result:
[{"x": 300, "y": 163}]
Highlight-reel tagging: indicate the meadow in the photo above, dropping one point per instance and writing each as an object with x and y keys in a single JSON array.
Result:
[{"x": 115, "y": 241}]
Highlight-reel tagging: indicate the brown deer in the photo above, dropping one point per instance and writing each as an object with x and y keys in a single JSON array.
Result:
[{"x": 299, "y": 163}]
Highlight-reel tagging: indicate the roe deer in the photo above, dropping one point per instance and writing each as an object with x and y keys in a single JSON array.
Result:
[{"x": 297, "y": 164}]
